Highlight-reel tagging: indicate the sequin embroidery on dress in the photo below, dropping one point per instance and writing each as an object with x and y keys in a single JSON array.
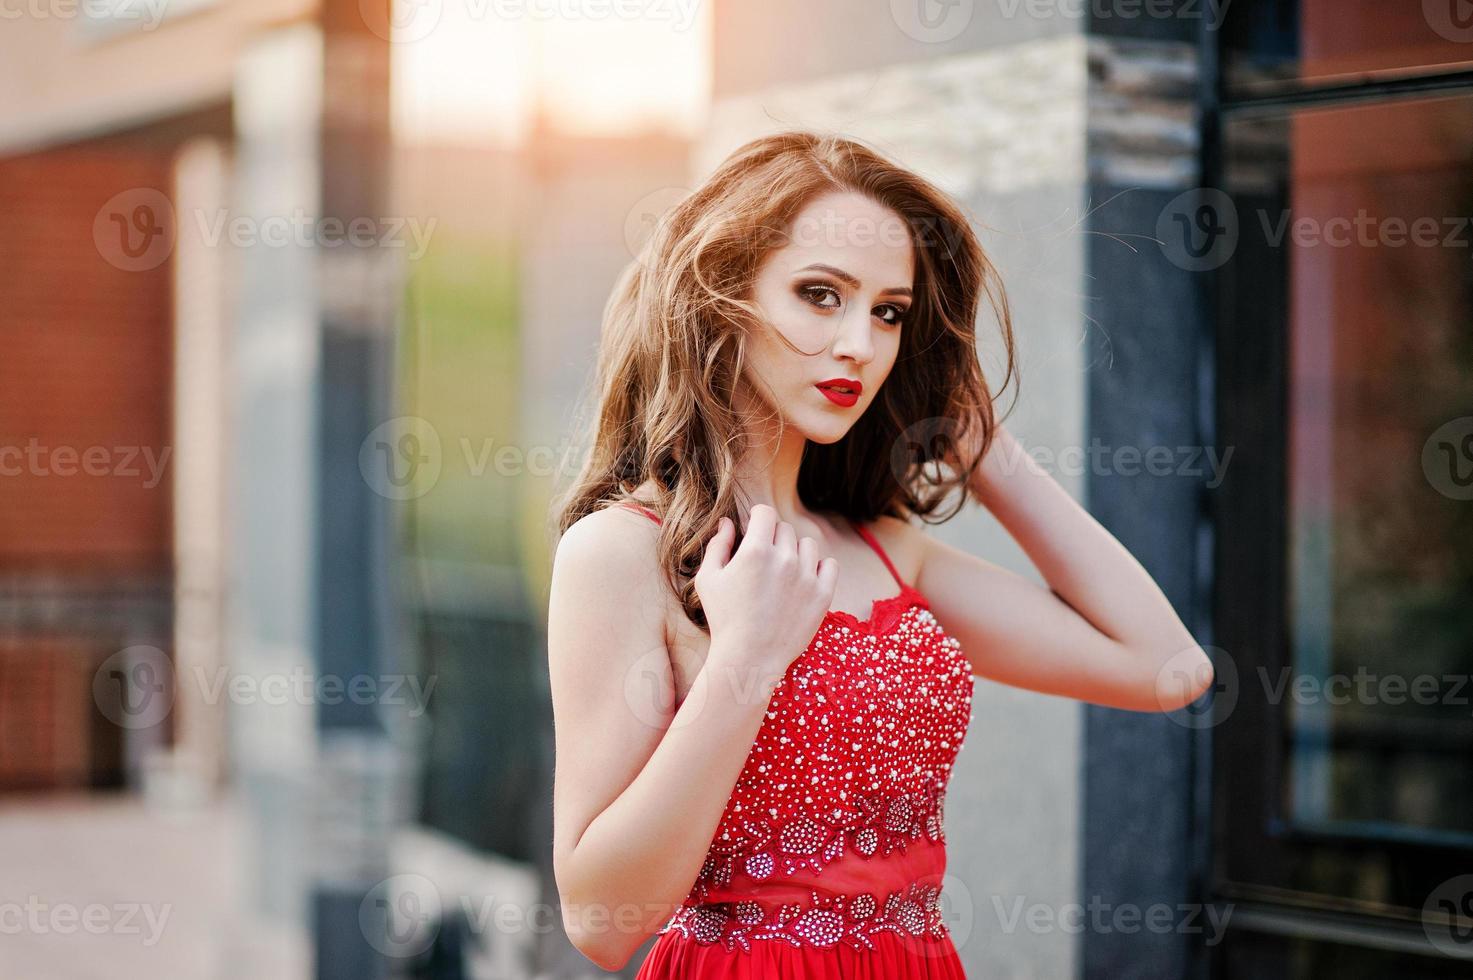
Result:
[{"x": 833, "y": 832}]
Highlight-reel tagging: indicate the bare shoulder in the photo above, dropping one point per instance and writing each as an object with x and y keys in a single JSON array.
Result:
[
  {"x": 618, "y": 526},
  {"x": 605, "y": 569}
]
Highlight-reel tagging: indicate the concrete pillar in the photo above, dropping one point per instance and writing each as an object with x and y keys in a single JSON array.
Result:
[{"x": 323, "y": 775}]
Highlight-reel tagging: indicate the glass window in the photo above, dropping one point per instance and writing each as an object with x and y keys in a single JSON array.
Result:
[
  {"x": 1380, "y": 418},
  {"x": 1345, "y": 579},
  {"x": 1270, "y": 45}
]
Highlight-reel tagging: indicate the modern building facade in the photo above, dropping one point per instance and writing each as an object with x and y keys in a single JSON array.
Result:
[{"x": 1235, "y": 235}]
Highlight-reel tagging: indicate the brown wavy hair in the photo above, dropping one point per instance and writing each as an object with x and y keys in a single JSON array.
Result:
[{"x": 674, "y": 337}]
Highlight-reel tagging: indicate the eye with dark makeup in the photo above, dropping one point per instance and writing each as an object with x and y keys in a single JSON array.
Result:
[{"x": 809, "y": 290}]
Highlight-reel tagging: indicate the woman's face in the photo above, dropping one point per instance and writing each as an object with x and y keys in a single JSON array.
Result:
[{"x": 839, "y": 290}]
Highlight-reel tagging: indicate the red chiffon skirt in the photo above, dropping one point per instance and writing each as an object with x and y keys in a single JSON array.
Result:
[
  {"x": 900, "y": 935},
  {"x": 895, "y": 957}
]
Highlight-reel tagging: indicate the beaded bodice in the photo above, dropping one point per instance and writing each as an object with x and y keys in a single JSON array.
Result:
[{"x": 833, "y": 831}]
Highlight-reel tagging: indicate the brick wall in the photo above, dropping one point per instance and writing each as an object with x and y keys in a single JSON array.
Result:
[
  {"x": 85, "y": 370},
  {"x": 46, "y": 718},
  {"x": 85, "y": 482}
]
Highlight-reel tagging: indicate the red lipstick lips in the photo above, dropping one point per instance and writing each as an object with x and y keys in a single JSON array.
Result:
[{"x": 841, "y": 391}]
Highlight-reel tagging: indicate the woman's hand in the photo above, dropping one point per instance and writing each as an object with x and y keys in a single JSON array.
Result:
[{"x": 764, "y": 603}]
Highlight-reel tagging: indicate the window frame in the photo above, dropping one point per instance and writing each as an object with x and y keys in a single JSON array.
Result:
[{"x": 1250, "y": 616}]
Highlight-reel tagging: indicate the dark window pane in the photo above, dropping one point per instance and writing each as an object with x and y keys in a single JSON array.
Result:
[
  {"x": 1380, "y": 569},
  {"x": 1261, "y": 956},
  {"x": 1345, "y": 586},
  {"x": 1270, "y": 42}
]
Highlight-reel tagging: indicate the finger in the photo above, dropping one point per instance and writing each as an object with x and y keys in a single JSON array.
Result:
[
  {"x": 828, "y": 578},
  {"x": 761, "y": 523},
  {"x": 785, "y": 539},
  {"x": 718, "y": 549},
  {"x": 808, "y": 554}
]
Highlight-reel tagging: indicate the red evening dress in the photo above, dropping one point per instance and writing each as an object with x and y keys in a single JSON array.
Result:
[{"x": 829, "y": 857}]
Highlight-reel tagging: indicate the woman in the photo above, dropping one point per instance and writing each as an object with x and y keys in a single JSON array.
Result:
[{"x": 761, "y": 669}]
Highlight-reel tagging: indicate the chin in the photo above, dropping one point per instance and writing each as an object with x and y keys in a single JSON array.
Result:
[{"x": 825, "y": 434}]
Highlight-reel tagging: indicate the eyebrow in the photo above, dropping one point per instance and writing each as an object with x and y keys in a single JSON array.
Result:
[{"x": 849, "y": 280}]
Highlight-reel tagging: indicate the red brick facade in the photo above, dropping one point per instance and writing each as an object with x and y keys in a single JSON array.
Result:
[
  {"x": 85, "y": 367},
  {"x": 85, "y": 469}
]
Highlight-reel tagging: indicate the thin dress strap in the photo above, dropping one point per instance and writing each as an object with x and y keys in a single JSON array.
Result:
[
  {"x": 643, "y": 510},
  {"x": 864, "y": 532}
]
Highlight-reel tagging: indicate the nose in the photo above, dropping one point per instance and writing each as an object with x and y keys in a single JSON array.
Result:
[{"x": 853, "y": 339}]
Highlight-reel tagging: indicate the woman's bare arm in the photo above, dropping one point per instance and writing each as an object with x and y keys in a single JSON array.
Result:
[
  {"x": 639, "y": 787},
  {"x": 1101, "y": 631}
]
